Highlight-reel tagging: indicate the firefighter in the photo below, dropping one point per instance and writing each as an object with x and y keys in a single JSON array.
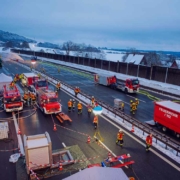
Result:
[
  {"x": 120, "y": 135},
  {"x": 131, "y": 102},
  {"x": 95, "y": 121},
  {"x": 79, "y": 107},
  {"x": 11, "y": 85},
  {"x": 136, "y": 102},
  {"x": 148, "y": 142},
  {"x": 76, "y": 91},
  {"x": 121, "y": 106},
  {"x": 70, "y": 105},
  {"x": 39, "y": 76},
  {"x": 133, "y": 107},
  {"x": 26, "y": 97},
  {"x": 58, "y": 69},
  {"x": 89, "y": 109},
  {"x": 92, "y": 101},
  {"x": 96, "y": 104},
  {"x": 15, "y": 79},
  {"x": 58, "y": 86},
  {"x": 32, "y": 98},
  {"x": 73, "y": 104}
]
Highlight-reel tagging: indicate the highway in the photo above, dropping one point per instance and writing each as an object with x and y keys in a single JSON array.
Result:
[{"x": 147, "y": 166}]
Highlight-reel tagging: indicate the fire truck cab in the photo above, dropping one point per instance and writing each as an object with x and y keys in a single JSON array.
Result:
[
  {"x": 12, "y": 99},
  {"x": 48, "y": 101}
]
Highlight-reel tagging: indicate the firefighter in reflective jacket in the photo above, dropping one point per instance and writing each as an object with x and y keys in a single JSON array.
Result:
[
  {"x": 11, "y": 85},
  {"x": 93, "y": 101},
  {"x": 79, "y": 107},
  {"x": 136, "y": 102},
  {"x": 121, "y": 106},
  {"x": 120, "y": 135},
  {"x": 73, "y": 104},
  {"x": 32, "y": 98},
  {"x": 15, "y": 80},
  {"x": 148, "y": 142},
  {"x": 89, "y": 109},
  {"x": 70, "y": 105},
  {"x": 76, "y": 91},
  {"x": 95, "y": 121},
  {"x": 26, "y": 97},
  {"x": 58, "y": 86},
  {"x": 133, "y": 107}
]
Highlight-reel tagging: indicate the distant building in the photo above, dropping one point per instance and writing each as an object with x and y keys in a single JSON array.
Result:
[
  {"x": 176, "y": 64},
  {"x": 138, "y": 59},
  {"x": 165, "y": 63}
]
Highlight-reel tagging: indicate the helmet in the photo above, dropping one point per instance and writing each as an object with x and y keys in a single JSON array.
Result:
[
  {"x": 136, "y": 99},
  {"x": 119, "y": 130},
  {"x": 131, "y": 101},
  {"x": 70, "y": 99},
  {"x": 73, "y": 99},
  {"x": 79, "y": 102},
  {"x": 92, "y": 96}
]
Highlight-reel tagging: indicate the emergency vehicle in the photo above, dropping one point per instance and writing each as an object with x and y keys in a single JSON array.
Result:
[
  {"x": 167, "y": 116},
  {"x": 12, "y": 99},
  {"x": 32, "y": 81},
  {"x": 48, "y": 102},
  {"x": 128, "y": 86}
]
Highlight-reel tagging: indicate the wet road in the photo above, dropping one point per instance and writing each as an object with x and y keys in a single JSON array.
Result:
[{"x": 147, "y": 166}]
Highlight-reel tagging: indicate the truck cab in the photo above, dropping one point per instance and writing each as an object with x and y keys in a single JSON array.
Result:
[
  {"x": 48, "y": 102},
  {"x": 12, "y": 99}
]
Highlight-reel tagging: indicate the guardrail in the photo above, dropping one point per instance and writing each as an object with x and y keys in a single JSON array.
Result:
[{"x": 145, "y": 128}]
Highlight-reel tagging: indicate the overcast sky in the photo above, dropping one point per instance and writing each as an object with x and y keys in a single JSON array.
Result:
[{"x": 140, "y": 24}]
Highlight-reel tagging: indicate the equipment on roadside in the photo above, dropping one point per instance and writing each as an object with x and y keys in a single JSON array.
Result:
[{"x": 119, "y": 104}]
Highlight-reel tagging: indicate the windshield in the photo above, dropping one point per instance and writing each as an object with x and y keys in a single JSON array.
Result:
[
  {"x": 13, "y": 99},
  {"x": 52, "y": 100},
  {"x": 135, "y": 82},
  {"x": 41, "y": 83}
]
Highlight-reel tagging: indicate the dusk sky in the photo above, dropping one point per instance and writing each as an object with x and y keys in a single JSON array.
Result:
[{"x": 140, "y": 24}]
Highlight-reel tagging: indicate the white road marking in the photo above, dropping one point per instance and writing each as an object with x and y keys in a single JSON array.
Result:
[
  {"x": 135, "y": 98},
  {"x": 137, "y": 140},
  {"x": 18, "y": 136},
  {"x": 63, "y": 144},
  {"x": 143, "y": 144}
]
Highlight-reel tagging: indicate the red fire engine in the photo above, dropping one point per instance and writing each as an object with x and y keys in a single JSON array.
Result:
[
  {"x": 128, "y": 86},
  {"x": 12, "y": 99},
  {"x": 48, "y": 101}
]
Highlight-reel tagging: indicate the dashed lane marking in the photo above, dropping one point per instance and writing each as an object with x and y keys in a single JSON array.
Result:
[{"x": 63, "y": 145}]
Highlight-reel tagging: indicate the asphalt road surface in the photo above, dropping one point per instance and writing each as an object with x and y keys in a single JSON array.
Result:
[{"x": 147, "y": 166}]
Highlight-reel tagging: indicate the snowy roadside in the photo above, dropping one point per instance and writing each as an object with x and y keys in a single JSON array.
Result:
[
  {"x": 127, "y": 126},
  {"x": 169, "y": 88}
]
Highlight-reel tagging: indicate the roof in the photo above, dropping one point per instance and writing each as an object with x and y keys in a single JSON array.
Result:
[
  {"x": 135, "y": 59},
  {"x": 38, "y": 142},
  {"x": 30, "y": 74},
  {"x": 178, "y": 62},
  {"x": 5, "y": 78},
  {"x": 170, "y": 105},
  {"x": 99, "y": 173}
]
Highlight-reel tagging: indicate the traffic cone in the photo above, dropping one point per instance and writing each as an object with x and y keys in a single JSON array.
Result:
[
  {"x": 60, "y": 167},
  {"x": 109, "y": 155},
  {"x": 88, "y": 139},
  {"x": 19, "y": 132},
  {"x": 54, "y": 129},
  {"x": 132, "y": 130}
]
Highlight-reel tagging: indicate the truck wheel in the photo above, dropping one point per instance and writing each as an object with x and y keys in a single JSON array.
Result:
[
  {"x": 177, "y": 135},
  {"x": 164, "y": 129},
  {"x": 126, "y": 91}
]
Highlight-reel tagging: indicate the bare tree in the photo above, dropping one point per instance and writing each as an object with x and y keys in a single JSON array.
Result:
[
  {"x": 124, "y": 57},
  {"x": 68, "y": 46},
  {"x": 153, "y": 58}
]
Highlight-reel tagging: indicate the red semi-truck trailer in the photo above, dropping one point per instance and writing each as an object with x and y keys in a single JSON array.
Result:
[{"x": 167, "y": 116}]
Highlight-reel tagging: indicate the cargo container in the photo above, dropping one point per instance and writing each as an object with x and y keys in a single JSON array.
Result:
[{"x": 167, "y": 116}]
